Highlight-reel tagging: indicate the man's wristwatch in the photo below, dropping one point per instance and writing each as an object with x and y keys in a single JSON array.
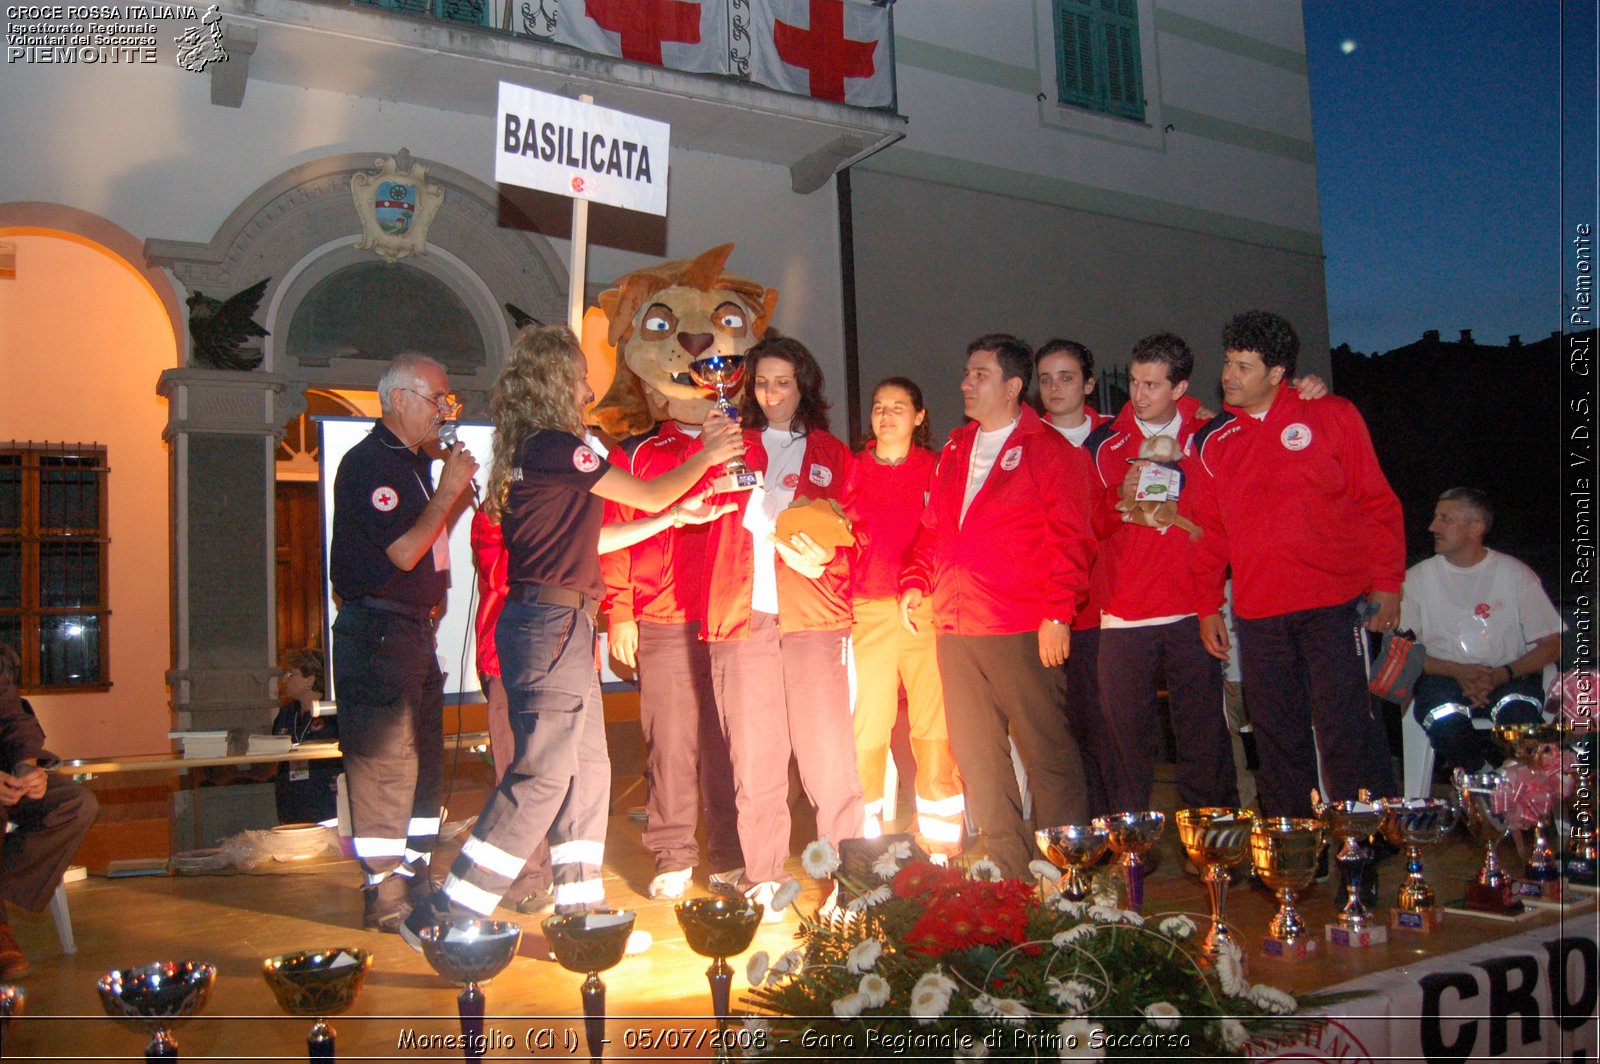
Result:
[{"x": 1509, "y": 674}]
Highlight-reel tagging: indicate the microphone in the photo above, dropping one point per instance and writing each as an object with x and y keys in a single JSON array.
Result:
[{"x": 448, "y": 438}]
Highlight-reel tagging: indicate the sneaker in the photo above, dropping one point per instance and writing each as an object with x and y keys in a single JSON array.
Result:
[
  {"x": 536, "y": 902},
  {"x": 726, "y": 882},
  {"x": 763, "y": 892},
  {"x": 419, "y": 886},
  {"x": 674, "y": 884},
  {"x": 386, "y": 904},
  {"x": 13, "y": 964},
  {"x": 436, "y": 909}
]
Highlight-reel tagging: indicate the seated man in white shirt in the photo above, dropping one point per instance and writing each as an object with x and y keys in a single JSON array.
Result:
[{"x": 1489, "y": 630}]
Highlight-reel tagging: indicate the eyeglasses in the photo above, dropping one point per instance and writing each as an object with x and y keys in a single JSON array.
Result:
[{"x": 445, "y": 402}]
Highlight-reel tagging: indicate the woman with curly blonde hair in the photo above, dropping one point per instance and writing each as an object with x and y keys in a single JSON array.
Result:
[{"x": 547, "y": 485}]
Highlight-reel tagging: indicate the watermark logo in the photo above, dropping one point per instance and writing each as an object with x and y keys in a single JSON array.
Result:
[
  {"x": 111, "y": 34},
  {"x": 201, "y": 45}
]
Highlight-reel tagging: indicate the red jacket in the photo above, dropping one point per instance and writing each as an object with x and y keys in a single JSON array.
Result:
[
  {"x": 1151, "y": 567},
  {"x": 889, "y": 504},
  {"x": 491, "y": 562},
  {"x": 1023, "y": 554},
  {"x": 804, "y": 605},
  {"x": 661, "y": 579},
  {"x": 1100, "y": 576},
  {"x": 1296, "y": 504}
]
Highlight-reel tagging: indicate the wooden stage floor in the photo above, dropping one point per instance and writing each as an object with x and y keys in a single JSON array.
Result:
[{"x": 234, "y": 921}]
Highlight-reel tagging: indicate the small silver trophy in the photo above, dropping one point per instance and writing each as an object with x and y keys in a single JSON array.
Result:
[{"x": 723, "y": 374}]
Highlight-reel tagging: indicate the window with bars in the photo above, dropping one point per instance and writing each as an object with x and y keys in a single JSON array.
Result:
[
  {"x": 1097, "y": 56},
  {"x": 53, "y": 593}
]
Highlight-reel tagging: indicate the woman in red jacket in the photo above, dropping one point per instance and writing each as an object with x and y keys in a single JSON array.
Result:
[
  {"x": 893, "y": 472},
  {"x": 778, "y": 621}
]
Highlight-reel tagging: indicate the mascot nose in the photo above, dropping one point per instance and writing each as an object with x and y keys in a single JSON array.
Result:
[{"x": 695, "y": 343}]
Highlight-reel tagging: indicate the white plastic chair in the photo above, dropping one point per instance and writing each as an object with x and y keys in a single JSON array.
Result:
[{"x": 58, "y": 911}]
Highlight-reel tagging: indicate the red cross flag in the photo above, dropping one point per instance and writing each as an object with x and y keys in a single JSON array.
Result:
[
  {"x": 681, "y": 34},
  {"x": 831, "y": 49}
]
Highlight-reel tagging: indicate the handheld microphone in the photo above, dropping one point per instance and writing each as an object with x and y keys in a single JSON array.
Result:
[{"x": 448, "y": 437}]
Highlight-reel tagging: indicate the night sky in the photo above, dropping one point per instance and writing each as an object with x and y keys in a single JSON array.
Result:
[{"x": 1440, "y": 139}]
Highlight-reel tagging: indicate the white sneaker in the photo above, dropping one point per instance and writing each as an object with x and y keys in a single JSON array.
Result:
[
  {"x": 674, "y": 884},
  {"x": 763, "y": 892}
]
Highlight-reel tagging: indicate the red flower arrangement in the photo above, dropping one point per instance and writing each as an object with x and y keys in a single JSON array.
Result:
[{"x": 959, "y": 913}]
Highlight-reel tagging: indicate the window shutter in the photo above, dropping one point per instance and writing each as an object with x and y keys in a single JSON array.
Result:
[
  {"x": 1075, "y": 54},
  {"x": 1124, "y": 91}
]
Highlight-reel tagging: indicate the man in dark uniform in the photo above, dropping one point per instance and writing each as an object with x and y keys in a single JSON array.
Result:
[
  {"x": 51, "y": 816},
  {"x": 390, "y": 567}
]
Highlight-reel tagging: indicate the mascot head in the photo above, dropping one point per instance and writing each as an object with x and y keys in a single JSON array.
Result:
[{"x": 662, "y": 318}]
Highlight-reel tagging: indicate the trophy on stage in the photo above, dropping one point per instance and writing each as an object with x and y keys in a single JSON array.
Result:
[
  {"x": 13, "y": 999},
  {"x": 156, "y": 997},
  {"x": 719, "y": 927},
  {"x": 1216, "y": 839},
  {"x": 1131, "y": 836},
  {"x": 722, "y": 374},
  {"x": 1284, "y": 851},
  {"x": 1073, "y": 848},
  {"x": 1533, "y": 786},
  {"x": 1413, "y": 823},
  {"x": 1490, "y": 890},
  {"x": 1354, "y": 822},
  {"x": 469, "y": 952},
  {"x": 317, "y": 983},
  {"x": 590, "y": 943}
]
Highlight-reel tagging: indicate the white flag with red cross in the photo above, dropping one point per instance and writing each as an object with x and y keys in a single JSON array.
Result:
[
  {"x": 830, "y": 49},
  {"x": 681, "y": 34}
]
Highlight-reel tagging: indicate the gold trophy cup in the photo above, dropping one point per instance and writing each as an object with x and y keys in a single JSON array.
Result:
[
  {"x": 1216, "y": 839},
  {"x": 1073, "y": 848},
  {"x": 1413, "y": 823},
  {"x": 1284, "y": 851}
]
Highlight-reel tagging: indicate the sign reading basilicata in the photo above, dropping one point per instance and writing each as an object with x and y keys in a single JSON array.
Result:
[{"x": 555, "y": 144}]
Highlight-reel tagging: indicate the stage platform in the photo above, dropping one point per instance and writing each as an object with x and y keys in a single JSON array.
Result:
[{"x": 234, "y": 921}]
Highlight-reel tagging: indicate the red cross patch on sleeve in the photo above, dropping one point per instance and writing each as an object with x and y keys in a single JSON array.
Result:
[
  {"x": 385, "y": 499},
  {"x": 585, "y": 460}
]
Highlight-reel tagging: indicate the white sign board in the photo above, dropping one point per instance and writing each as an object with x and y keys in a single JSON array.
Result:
[{"x": 555, "y": 144}]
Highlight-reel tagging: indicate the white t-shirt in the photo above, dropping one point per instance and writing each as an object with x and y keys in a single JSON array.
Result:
[
  {"x": 785, "y": 452},
  {"x": 985, "y": 449},
  {"x": 1075, "y": 436},
  {"x": 1486, "y": 614}
]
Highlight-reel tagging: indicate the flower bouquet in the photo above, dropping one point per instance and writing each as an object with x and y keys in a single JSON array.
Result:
[{"x": 944, "y": 962}]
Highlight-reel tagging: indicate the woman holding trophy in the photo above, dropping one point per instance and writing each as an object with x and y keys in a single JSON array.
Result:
[
  {"x": 778, "y": 616},
  {"x": 546, "y": 487}
]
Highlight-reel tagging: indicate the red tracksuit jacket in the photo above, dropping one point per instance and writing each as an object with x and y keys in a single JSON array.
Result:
[
  {"x": 1151, "y": 568},
  {"x": 1296, "y": 504},
  {"x": 661, "y": 579},
  {"x": 804, "y": 605},
  {"x": 889, "y": 503},
  {"x": 1024, "y": 551}
]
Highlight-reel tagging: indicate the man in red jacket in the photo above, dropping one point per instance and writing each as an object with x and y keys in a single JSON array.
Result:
[
  {"x": 1148, "y": 628},
  {"x": 1289, "y": 493},
  {"x": 1005, "y": 550}
]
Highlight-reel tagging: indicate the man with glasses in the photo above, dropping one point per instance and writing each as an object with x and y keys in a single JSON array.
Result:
[{"x": 390, "y": 567}]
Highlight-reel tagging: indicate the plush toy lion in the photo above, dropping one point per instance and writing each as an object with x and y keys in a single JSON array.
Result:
[
  {"x": 1163, "y": 450},
  {"x": 662, "y": 318}
]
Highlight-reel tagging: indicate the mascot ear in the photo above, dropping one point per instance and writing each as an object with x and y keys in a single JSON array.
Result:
[
  {"x": 769, "y": 303},
  {"x": 623, "y": 411}
]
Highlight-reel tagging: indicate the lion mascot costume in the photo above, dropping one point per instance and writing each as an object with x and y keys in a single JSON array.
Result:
[{"x": 662, "y": 318}]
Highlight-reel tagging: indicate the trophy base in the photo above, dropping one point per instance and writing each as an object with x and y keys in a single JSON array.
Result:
[
  {"x": 748, "y": 480},
  {"x": 1537, "y": 890},
  {"x": 1351, "y": 938},
  {"x": 1424, "y": 920},
  {"x": 1299, "y": 950},
  {"x": 1486, "y": 899},
  {"x": 1580, "y": 871}
]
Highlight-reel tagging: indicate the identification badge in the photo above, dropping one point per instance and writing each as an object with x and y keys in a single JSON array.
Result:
[
  {"x": 1157, "y": 483},
  {"x": 299, "y": 770}
]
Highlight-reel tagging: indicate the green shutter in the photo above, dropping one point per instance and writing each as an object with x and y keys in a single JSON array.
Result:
[
  {"x": 1097, "y": 56},
  {"x": 1075, "y": 51}
]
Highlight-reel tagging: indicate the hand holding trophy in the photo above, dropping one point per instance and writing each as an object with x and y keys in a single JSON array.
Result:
[{"x": 723, "y": 374}]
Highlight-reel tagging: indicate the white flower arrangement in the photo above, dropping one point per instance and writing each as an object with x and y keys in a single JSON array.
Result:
[
  {"x": 1176, "y": 926},
  {"x": 819, "y": 858},
  {"x": 1162, "y": 1016},
  {"x": 1079, "y": 1039},
  {"x": 985, "y": 870},
  {"x": 755, "y": 969},
  {"x": 863, "y": 956},
  {"x": 1007, "y": 1010},
  {"x": 875, "y": 989}
]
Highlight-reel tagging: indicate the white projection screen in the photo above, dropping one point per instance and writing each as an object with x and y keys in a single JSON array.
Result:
[{"x": 456, "y": 642}]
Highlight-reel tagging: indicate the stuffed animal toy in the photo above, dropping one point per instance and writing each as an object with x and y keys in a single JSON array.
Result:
[
  {"x": 1162, "y": 514},
  {"x": 662, "y": 318}
]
